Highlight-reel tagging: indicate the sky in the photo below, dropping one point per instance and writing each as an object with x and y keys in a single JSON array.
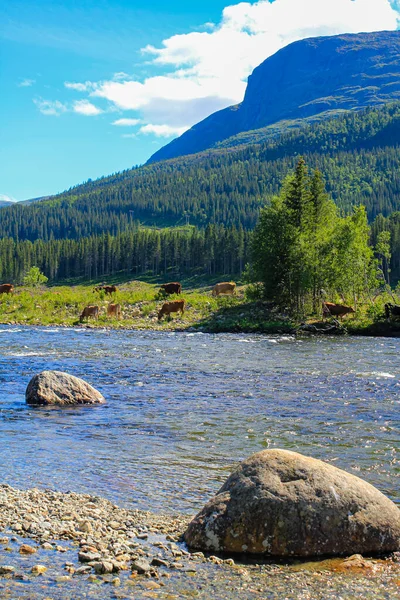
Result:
[{"x": 92, "y": 87}]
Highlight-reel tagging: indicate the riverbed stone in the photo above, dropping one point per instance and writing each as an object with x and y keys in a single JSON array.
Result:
[
  {"x": 59, "y": 388},
  {"x": 281, "y": 503},
  {"x": 141, "y": 566}
]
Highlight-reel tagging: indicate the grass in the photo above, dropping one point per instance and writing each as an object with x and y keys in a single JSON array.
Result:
[{"x": 141, "y": 301}]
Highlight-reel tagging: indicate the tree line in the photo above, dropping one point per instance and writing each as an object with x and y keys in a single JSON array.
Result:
[{"x": 165, "y": 252}]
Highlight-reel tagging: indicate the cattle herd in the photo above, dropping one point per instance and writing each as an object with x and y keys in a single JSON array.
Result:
[
  {"x": 329, "y": 309},
  {"x": 168, "y": 308}
]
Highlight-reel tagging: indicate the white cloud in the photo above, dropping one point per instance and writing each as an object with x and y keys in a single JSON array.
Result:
[
  {"x": 50, "y": 107},
  {"x": 26, "y": 82},
  {"x": 6, "y": 198},
  {"x": 84, "y": 107},
  {"x": 127, "y": 122},
  {"x": 162, "y": 130},
  {"x": 129, "y": 135},
  {"x": 79, "y": 87},
  {"x": 207, "y": 70}
]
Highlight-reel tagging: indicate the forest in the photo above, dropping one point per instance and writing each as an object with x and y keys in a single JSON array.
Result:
[
  {"x": 222, "y": 189},
  {"x": 169, "y": 252}
]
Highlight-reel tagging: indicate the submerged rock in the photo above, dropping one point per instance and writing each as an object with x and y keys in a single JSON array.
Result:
[
  {"x": 58, "y": 388},
  {"x": 280, "y": 503}
]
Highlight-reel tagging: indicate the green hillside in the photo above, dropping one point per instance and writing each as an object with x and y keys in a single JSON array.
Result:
[{"x": 358, "y": 153}]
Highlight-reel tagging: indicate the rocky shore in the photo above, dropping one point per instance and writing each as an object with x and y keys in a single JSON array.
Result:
[{"x": 58, "y": 545}]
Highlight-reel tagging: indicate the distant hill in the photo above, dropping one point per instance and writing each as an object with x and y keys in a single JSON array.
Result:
[
  {"x": 358, "y": 153},
  {"x": 5, "y": 202},
  {"x": 318, "y": 76}
]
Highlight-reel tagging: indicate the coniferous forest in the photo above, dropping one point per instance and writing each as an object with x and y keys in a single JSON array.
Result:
[{"x": 196, "y": 213}]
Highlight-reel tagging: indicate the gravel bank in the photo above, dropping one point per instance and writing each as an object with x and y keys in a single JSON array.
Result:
[{"x": 65, "y": 545}]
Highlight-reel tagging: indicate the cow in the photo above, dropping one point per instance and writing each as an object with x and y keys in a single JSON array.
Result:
[
  {"x": 171, "y": 288},
  {"x": 329, "y": 309},
  {"x": 392, "y": 310},
  {"x": 171, "y": 307},
  {"x": 108, "y": 289},
  {"x": 89, "y": 311},
  {"x": 6, "y": 288},
  {"x": 224, "y": 288},
  {"x": 114, "y": 310}
]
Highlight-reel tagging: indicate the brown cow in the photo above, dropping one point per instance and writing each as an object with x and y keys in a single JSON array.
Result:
[
  {"x": 171, "y": 288},
  {"x": 171, "y": 307},
  {"x": 329, "y": 309},
  {"x": 392, "y": 310},
  {"x": 89, "y": 311},
  {"x": 224, "y": 288},
  {"x": 114, "y": 310},
  {"x": 108, "y": 289},
  {"x": 6, "y": 288}
]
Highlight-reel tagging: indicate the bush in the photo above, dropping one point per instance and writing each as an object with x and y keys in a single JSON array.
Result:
[{"x": 35, "y": 277}]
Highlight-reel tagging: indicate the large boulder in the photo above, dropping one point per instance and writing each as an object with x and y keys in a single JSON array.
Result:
[
  {"x": 58, "y": 388},
  {"x": 280, "y": 503}
]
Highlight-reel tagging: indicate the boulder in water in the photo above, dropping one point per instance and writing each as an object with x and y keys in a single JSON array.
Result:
[
  {"x": 58, "y": 388},
  {"x": 281, "y": 503}
]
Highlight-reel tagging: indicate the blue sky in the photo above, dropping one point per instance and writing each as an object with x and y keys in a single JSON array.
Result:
[{"x": 93, "y": 87}]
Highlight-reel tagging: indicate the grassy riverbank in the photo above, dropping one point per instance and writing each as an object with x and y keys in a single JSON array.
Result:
[{"x": 141, "y": 301}]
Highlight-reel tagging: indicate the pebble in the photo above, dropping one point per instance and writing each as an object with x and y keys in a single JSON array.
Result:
[
  {"x": 38, "y": 569},
  {"x": 88, "y": 556},
  {"x": 141, "y": 566},
  {"x": 6, "y": 570},
  {"x": 26, "y": 549},
  {"x": 83, "y": 570},
  {"x": 103, "y": 567},
  {"x": 47, "y": 546},
  {"x": 159, "y": 562}
]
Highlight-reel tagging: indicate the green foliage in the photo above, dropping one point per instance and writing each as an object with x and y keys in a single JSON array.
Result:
[
  {"x": 301, "y": 245},
  {"x": 168, "y": 252},
  {"x": 107, "y": 226},
  {"x": 35, "y": 277}
]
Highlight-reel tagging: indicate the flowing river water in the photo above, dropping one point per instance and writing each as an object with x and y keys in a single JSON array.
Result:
[{"x": 183, "y": 408}]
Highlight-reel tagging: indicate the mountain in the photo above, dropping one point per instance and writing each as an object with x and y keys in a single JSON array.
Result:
[
  {"x": 318, "y": 76},
  {"x": 358, "y": 153},
  {"x": 5, "y": 202}
]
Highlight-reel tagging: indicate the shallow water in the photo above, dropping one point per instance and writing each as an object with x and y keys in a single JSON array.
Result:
[{"x": 182, "y": 409}]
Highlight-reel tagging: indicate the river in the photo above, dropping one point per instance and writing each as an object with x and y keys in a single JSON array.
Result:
[{"x": 183, "y": 408}]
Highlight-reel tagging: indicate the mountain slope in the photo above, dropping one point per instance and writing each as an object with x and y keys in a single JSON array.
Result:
[
  {"x": 358, "y": 153},
  {"x": 309, "y": 77}
]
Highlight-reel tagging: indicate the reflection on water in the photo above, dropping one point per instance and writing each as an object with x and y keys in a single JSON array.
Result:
[{"x": 183, "y": 408}]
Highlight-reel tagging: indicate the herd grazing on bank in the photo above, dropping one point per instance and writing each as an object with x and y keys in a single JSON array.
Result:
[
  {"x": 115, "y": 310},
  {"x": 329, "y": 309},
  {"x": 6, "y": 288},
  {"x": 224, "y": 288},
  {"x": 171, "y": 288},
  {"x": 89, "y": 311},
  {"x": 172, "y": 307}
]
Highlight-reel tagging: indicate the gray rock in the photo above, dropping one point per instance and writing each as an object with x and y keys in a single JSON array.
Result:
[
  {"x": 56, "y": 387},
  {"x": 159, "y": 562},
  {"x": 103, "y": 567},
  {"x": 280, "y": 503},
  {"x": 87, "y": 557},
  {"x": 141, "y": 565},
  {"x": 83, "y": 570}
]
